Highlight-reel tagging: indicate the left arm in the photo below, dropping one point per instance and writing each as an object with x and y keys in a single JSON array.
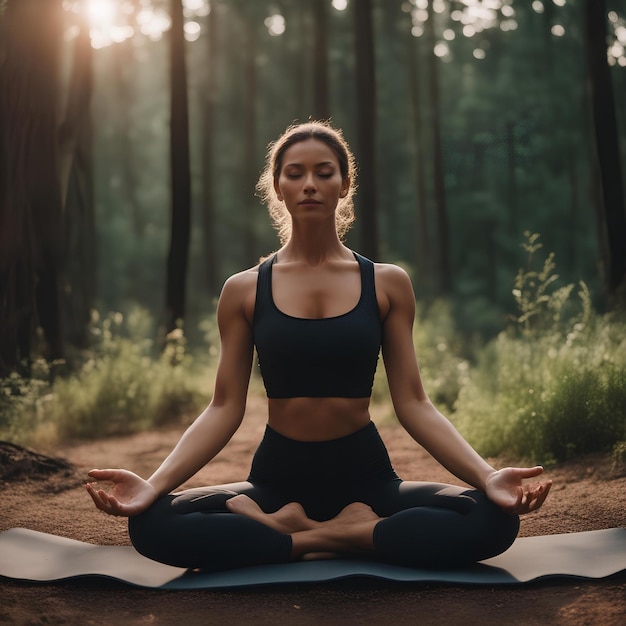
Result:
[{"x": 424, "y": 422}]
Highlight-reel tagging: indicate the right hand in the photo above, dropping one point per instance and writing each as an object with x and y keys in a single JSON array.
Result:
[{"x": 130, "y": 494}]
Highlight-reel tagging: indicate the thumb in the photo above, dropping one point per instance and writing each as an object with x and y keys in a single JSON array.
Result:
[
  {"x": 529, "y": 472},
  {"x": 105, "y": 474}
]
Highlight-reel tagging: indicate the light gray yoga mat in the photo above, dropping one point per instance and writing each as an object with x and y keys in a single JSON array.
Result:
[{"x": 34, "y": 556}]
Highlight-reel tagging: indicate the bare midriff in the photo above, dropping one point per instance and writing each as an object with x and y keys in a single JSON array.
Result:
[{"x": 318, "y": 419}]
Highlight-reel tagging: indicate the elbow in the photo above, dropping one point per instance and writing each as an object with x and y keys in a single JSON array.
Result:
[
  {"x": 414, "y": 413},
  {"x": 413, "y": 403},
  {"x": 224, "y": 411}
]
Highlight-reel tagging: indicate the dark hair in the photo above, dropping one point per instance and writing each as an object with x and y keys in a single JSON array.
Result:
[{"x": 333, "y": 138}]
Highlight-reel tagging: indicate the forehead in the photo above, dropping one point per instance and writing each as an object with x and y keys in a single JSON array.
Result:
[{"x": 309, "y": 151}]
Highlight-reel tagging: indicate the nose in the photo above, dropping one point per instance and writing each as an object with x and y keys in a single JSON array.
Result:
[{"x": 309, "y": 183}]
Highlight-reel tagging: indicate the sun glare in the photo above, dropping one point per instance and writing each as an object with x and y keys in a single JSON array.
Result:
[
  {"x": 115, "y": 21},
  {"x": 275, "y": 25},
  {"x": 472, "y": 17},
  {"x": 100, "y": 12}
]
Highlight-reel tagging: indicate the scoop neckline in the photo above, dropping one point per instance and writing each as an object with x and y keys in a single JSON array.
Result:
[{"x": 315, "y": 319}]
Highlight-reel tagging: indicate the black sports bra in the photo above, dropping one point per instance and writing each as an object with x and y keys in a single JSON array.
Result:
[{"x": 331, "y": 357}]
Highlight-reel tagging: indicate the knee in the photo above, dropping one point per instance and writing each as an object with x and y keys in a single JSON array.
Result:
[
  {"x": 146, "y": 529},
  {"x": 140, "y": 534},
  {"x": 500, "y": 528}
]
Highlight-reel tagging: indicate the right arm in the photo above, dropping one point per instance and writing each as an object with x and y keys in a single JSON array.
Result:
[{"x": 215, "y": 426}]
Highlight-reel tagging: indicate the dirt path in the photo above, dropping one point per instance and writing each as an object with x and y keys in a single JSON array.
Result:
[{"x": 588, "y": 494}]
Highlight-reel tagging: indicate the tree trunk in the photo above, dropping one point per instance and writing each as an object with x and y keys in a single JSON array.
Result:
[
  {"x": 321, "y": 107},
  {"x": 366, "y": 127},
  {"x": 125, "y": 80},
  {"x": 443, "y": 228},
  {"x": 574, "y": 204},
  {"x": 30, "y": 193},
  {"x": 180, "y": 213},
  {"x": 512, "y": 178},
  {"x": 250, "y": 240},
  {"x": 607, "y": 145},
  {"x": 298, "y": 33},
  {"x": 422, "y": 249},
  {"x": 208, "y": 162},
  {"x": 76, "y": 142}
]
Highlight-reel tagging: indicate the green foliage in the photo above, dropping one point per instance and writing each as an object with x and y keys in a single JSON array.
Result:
[
  {"x": 555, "y": 385},
  {"x": 22, "y": 401},
  {"x": 540, "y": 308},
  {"x": 438, "y": 347},
  {"x": 619, "y": 455},
  {"x": 124, "y": 385}
]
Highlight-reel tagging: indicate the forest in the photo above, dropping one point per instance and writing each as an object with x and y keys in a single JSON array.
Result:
[{"x": 490, "y": 138}]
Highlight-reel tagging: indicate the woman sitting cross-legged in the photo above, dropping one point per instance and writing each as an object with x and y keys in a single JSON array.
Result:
[{"x": 321, "y": 483}]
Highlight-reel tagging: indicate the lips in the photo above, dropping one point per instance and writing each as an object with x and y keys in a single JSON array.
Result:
[{"x": 310, "y": 202}]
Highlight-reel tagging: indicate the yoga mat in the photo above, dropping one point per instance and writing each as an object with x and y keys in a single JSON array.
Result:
[{"x": 34, "y": 556}]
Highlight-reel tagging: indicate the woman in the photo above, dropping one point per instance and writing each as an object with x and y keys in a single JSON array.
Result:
[{"x": 321, "y": 483}]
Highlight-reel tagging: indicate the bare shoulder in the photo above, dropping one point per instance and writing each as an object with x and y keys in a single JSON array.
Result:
[
  {"x": 392, "y": 280},
  {"x": 241, "y": 281},
  {"x": 394, "y": 290},
  {"x": 239, "y": 293}
]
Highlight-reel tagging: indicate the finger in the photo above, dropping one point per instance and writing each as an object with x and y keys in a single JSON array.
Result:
[
  {"x": 96, "y": 496},
  {"x": 91, "y": 493},
  {"x": 541, "y": 496},
  {"x": 535, "y": 497},
  {"x": 104, "y": 474},
  {"x": 112, "y": 505},
  {"x": 104, "y": 501},
  {"x": 524, "y": 499},
  {"x": 529, "y": 472}
]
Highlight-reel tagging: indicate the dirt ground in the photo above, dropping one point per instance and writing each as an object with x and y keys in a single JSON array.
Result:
[{"x": 588, "y": 494}]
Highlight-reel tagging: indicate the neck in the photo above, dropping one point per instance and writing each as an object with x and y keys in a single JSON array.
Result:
[{"x": 313, "y": 246}]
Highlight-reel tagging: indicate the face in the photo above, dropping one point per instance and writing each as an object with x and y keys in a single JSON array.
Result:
[{"x": 310, "y": 181}]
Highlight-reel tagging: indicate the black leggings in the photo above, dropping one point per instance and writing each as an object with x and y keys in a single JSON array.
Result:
[{"x": 425, "y": 524}]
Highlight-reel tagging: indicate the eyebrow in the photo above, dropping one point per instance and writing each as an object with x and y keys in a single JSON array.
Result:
[{"x": 321, "y": 164}]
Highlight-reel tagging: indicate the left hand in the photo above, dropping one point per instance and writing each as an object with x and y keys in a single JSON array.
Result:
[
  {"x": 505, "y": 487},
  {"x": 130, "y": 494}
]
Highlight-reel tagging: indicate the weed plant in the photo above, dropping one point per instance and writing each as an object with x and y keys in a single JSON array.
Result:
[
  {"x": 23, "y": 401},
  {"x": 126, "y": 383},
  {"x": 552, "y": 386}
]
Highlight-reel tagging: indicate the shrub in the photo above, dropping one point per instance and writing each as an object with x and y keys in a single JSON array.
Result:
[
  {"x": 554, "y": 386},
  {"x": 22, "y": 402},
  {"x": 124, "y": 384}
]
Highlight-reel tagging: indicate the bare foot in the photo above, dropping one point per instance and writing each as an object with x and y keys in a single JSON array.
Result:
[
  {"x": 289, "y": 519},
  {"x": 350, "y": 532},
  {"x": 355, "y": 513}
]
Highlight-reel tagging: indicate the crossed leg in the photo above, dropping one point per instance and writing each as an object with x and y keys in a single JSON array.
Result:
[
  {"x": 414, "y": 524},
  {"x": 350, "y": 532}
]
